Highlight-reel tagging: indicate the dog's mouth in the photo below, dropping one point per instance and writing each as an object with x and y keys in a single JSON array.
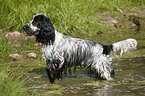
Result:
[
  {"x": 32, "y": 33},
  {"x": 29, "y": 31}
]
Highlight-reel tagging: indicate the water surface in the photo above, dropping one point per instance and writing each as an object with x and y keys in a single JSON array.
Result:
[{"x": 129, "y": 79}]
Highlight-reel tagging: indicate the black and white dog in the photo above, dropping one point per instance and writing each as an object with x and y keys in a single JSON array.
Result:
[{"x": 63, "y": 52}]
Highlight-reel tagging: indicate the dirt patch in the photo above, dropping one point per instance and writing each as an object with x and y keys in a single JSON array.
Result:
[{"x": 130, "y": 20}]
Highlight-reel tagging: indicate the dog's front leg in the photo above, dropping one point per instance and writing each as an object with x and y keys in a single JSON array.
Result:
[{"x": 52, "y": 68}]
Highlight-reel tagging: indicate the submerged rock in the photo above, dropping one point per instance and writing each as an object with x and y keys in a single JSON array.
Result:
[
  {"x": 32, "y": 55},
  {"x": 13, "y": 35},
  {"x": 53, "y": 87},
  {"x": 96, "y": 84},
  {"x": 54, "y": 93},
  {"x": 37, "y": 76},
  {"x": 114, "y": 21},
  {"x": 38, "y": 44},
  {"x": 15, "y": 56}
]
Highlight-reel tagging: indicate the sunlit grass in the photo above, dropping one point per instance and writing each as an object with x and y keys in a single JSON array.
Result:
[
  {"x": 10, "y": 83},
  {"x": 5, "y": 46},
  {"x": 70, "y": 17}
]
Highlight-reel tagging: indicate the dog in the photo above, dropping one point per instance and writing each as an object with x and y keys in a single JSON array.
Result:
[{"x": 63, "y": 52}]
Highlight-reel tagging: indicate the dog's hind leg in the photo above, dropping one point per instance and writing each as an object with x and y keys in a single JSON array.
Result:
[{"x": 102, "y": 67}]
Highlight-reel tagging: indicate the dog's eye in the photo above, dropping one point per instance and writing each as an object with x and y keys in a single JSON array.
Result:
[{"x": 35, "y": 23}]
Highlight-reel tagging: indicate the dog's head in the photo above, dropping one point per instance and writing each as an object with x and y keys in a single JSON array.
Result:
[{"x": 42, "y": 27}]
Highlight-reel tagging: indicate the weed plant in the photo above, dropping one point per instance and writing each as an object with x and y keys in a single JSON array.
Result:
[
  {"x": 71, "y": 17},
  {"x": 5, "y": 46},
  {"x": 10, "y": 83}
]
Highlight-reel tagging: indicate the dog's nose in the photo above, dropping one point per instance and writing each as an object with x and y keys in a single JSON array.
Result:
[{"x": 24, "y": 27}]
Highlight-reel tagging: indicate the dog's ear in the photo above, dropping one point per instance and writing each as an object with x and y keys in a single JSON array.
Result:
[
  {"x": 46, "y": 24},
  {"x": 47, "y": 31}
]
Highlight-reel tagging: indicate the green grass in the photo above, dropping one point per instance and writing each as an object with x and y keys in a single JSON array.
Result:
[
  {"x": 5, "y": 46},
  {"x": 71, "y": 17},
  {"x": 10, "y": 83}
]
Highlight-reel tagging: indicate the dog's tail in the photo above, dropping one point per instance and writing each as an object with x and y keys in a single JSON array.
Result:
[{"x": 122, "y": 46}]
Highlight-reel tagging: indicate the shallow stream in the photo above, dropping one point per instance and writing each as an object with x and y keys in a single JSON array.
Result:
[{"x": 129, "y": 79}]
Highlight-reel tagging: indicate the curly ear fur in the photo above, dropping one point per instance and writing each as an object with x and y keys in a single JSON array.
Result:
[{"x": 47, "y": 31}]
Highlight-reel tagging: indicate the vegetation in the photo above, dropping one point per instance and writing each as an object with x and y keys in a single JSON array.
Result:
[
  {"x": 68, "y": 16},
  {"x": 10, "y": 83},
  {"x": 5, "y": 46}
]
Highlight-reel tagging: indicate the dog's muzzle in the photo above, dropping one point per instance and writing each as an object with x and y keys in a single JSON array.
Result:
[{"x": 29, "y": 31}]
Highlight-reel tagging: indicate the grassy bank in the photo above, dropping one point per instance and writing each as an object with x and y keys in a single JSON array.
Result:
[{"x": 70, "y": 17}]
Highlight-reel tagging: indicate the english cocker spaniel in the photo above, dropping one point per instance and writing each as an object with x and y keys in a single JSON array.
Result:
[{"x": 62, "y": 52}]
